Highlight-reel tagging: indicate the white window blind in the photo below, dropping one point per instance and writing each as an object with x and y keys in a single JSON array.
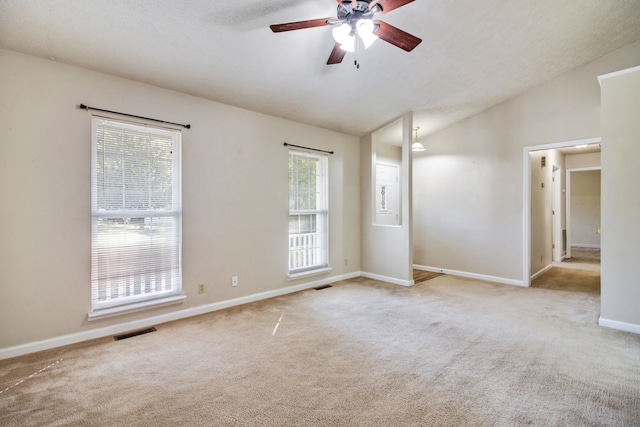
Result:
[
  {"x": 308, "y": 212},
  {"x": 136, "y": 215}
]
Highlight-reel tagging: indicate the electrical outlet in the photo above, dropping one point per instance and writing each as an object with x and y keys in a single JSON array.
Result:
[
  {"x": 201, "y": 288},
  {"x": 346, "y": 261},
  {"x": 234, "y": 281}
]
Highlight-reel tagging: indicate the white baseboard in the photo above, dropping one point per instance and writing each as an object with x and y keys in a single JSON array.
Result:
[
  {"x": 470, "y": 275},
  {"x": 585, "y": 245},
  {"x": 388, "y": 279},
  {"x": 19, "y": 350},
  {"x": 541, "y": 271},
  {"x": 622, "y": 326}
]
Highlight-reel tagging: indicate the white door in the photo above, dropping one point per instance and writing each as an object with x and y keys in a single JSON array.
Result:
[{"x": 387, "y": 200}]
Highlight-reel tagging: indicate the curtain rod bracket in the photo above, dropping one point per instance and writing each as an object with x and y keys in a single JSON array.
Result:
[
  {"x": 86, "y": 107},
  {"x": 307, "y": 148}
]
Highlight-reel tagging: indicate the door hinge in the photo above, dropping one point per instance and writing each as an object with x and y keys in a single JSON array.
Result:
[
  {"x": 553, "y": 212},
  {"x": 553, "y": 246}
]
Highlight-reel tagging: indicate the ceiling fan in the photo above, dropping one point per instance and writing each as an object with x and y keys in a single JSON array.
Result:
[{"x": 356, "y": 18}]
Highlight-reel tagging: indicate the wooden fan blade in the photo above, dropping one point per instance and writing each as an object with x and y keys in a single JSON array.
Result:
[
  {"x": 389, "y": 5},
  {"x": 396, "y": 36},
  {"x": 300, "y": 25},
  {"x": 337, "y": 54}
]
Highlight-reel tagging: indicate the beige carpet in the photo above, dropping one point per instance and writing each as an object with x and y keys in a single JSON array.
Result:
[
  {"x": 420, "y": 276},
  {"x": 446, "y": 352},
  {"x": 582, "y": 259},
  {"x": 569, "y": 279}
]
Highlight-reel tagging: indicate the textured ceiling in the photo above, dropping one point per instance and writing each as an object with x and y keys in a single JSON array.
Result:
[{"x": 474, "y": 54}]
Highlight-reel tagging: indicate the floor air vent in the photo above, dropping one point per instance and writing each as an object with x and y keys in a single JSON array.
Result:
[
  {"x": 133, "y": 334},
  {"x": 322, "y": 287}
]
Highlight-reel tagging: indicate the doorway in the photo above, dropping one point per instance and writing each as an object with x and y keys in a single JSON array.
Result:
[
  {"x": 544, "y": 201},
  {"x": 583, "y": 210}
]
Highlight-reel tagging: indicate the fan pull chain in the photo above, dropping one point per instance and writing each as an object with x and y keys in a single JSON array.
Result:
[{"x": 355, "y": 61}]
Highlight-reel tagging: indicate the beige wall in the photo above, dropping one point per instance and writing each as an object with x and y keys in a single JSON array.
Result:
[
  {"x": 620, "y": 281},
  {"x": 468, "y": 184},
  {"x": 585, "y": 208},
  {"x": 234, "y": 197},
  {"x": 580, "y": 161},
  {"x": 386, "y": 251}
]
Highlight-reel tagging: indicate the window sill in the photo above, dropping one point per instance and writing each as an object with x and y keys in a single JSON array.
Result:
[
  {"x": 309, "y": 273},
  {"x": 131, "y": 308}
]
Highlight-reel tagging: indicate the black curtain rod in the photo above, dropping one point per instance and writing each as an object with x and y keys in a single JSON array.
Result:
[
  {"x": 307, "y": 148},
  {"x": 85, "y": 107}
]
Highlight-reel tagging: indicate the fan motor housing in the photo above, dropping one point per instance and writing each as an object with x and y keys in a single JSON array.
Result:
[{"x": 348, "y": 12}]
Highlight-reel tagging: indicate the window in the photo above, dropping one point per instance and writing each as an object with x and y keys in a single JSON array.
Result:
[
  {"x": 136, "y": 217},
  {"x": 308, "y": 212}
]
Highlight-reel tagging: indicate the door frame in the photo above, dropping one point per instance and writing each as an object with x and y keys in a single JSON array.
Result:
[
  {"x": 556, "y": 219},
  {"x": 526, "y": 198},
  {"x": 568, "y": 203}
]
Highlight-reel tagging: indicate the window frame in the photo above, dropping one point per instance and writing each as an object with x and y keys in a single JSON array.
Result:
[
  {"x": 123, "y": 304},
  {"x": 321, "y": 213}
]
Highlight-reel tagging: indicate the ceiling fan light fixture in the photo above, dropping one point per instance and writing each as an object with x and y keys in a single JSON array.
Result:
[
  {"x": 355, "y": 19},
  {"x": 341, "y": 32},
  {"x": 365, "y": 28},
  {"x": 349, "y": 44},
  {"x": 368, "y": 39}
]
